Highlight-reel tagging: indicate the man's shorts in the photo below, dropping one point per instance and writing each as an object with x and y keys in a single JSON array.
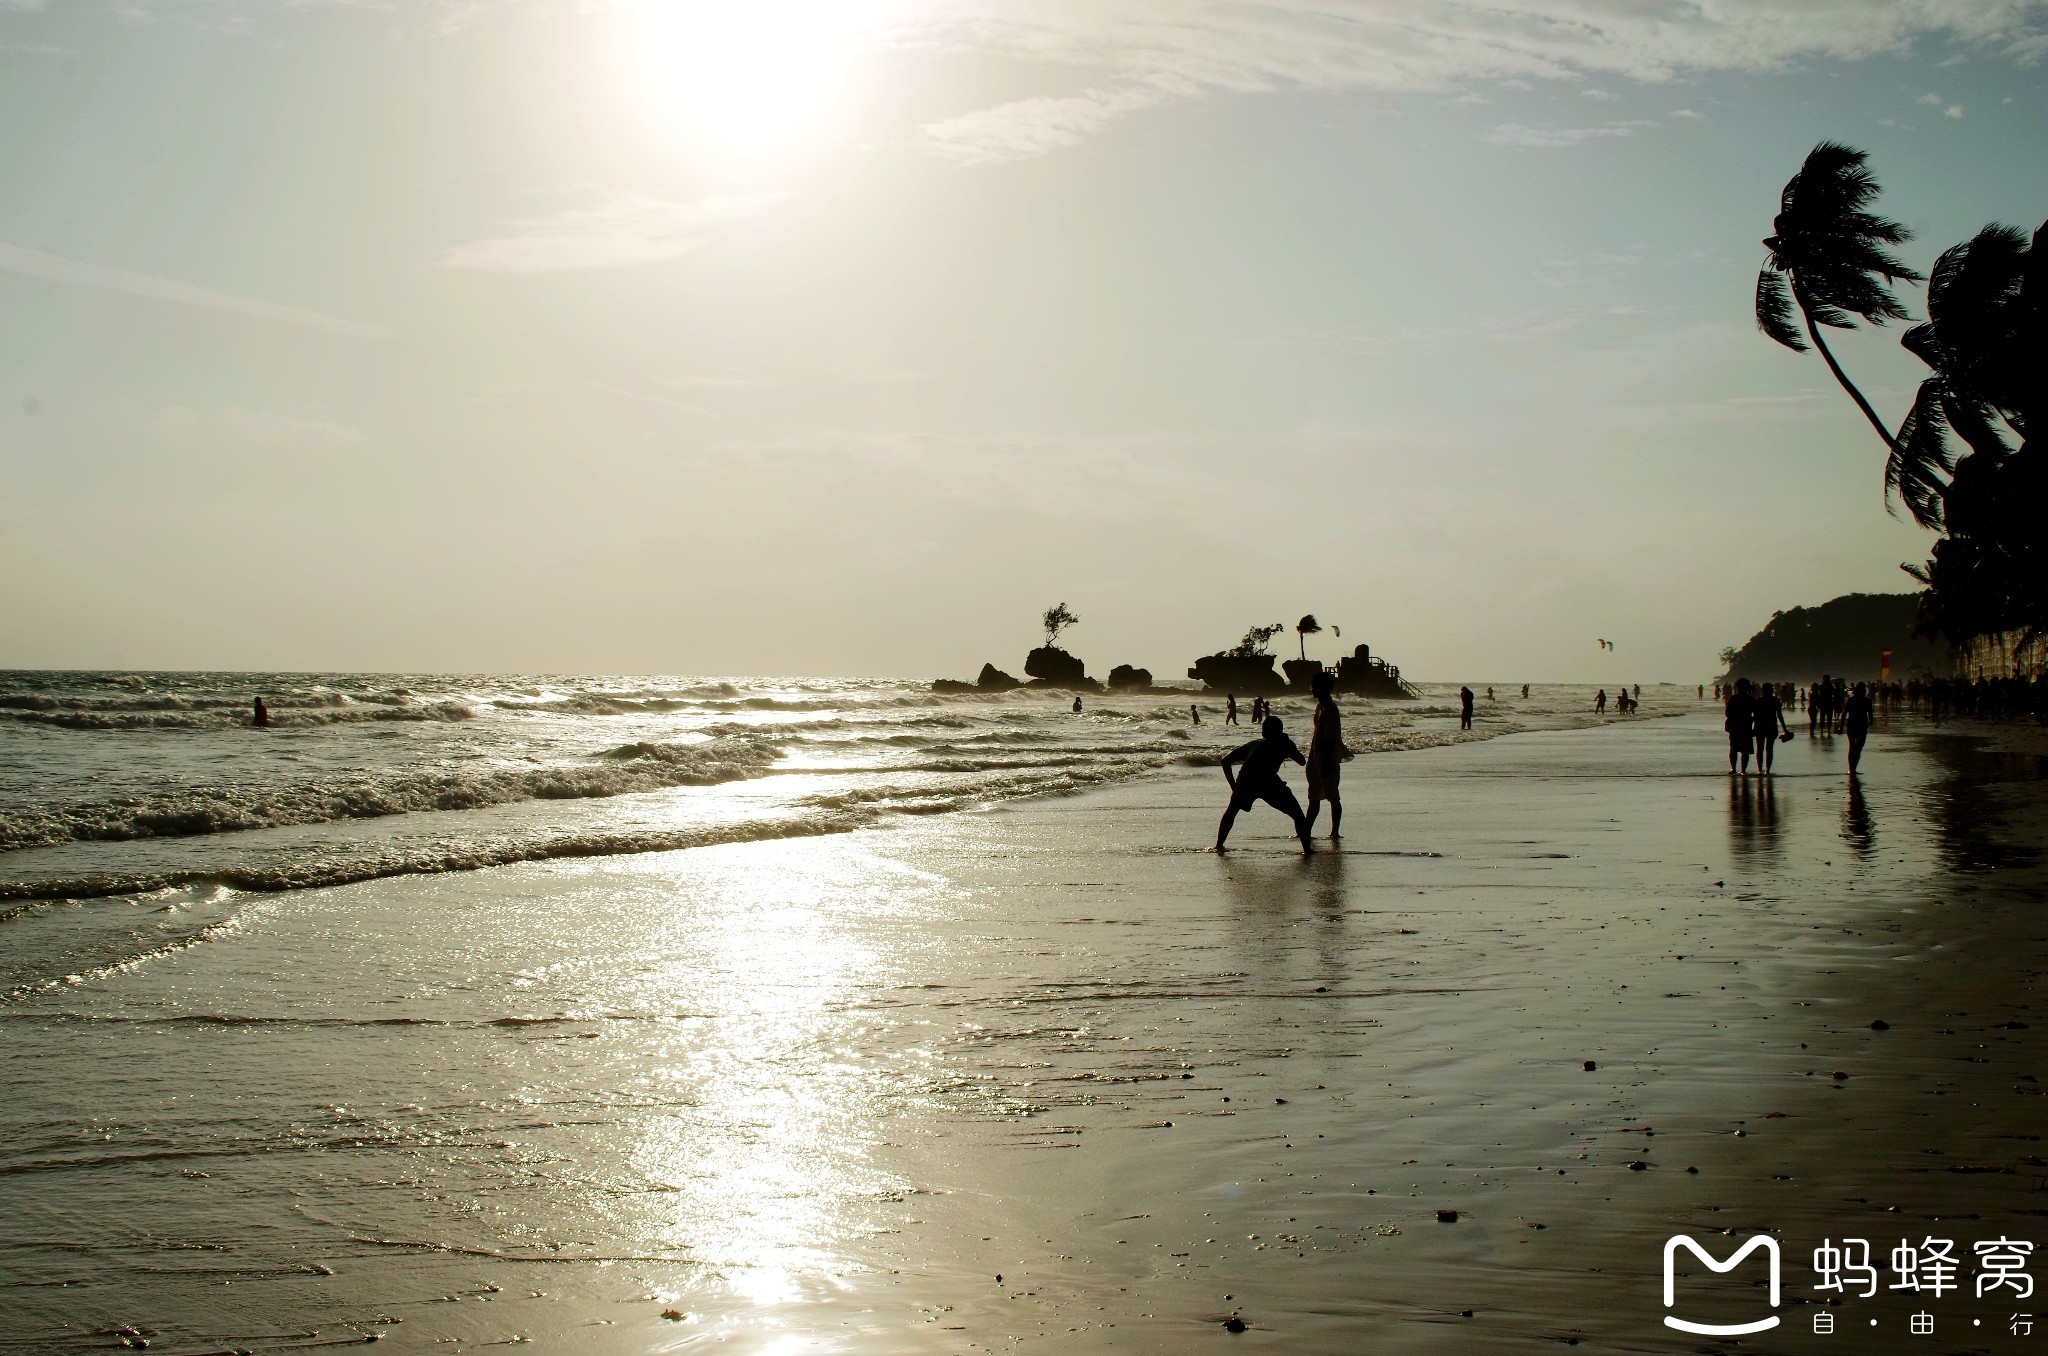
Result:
[
  {"x": 1323, "y": 776},
  {"x": 1275, "y": 793}
]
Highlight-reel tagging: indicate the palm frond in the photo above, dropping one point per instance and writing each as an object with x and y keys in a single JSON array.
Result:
[
  {"x": 1916, "y": 471},
  {"x": 1774, "y": 312}
]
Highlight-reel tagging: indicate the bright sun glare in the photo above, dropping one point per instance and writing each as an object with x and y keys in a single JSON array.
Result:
[{"x": 742, "y": 77}]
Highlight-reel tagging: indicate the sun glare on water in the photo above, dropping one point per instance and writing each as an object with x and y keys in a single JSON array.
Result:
[{"x": 743, "y": 78}]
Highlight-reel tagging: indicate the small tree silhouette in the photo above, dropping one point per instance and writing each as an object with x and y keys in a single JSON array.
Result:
[
  {"x": 1255, "y": 641},
  {"x": 1305, "y": 628},
  {"x": 1056, "y": 620}
]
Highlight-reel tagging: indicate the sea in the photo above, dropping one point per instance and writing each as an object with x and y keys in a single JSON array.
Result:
[
  {"x": 457, "y": 1011},
  {"x": 158, "y": 788}
]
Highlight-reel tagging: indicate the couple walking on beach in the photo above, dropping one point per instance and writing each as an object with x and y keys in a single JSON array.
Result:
[
  {"x": 1754, "y": 720},
  {"x": 1260, "y": 762}
]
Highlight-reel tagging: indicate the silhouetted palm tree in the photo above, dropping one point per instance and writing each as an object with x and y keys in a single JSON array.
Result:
[
  {"x": 1984, "y": 337},
  {"x": 1305, "y": 628},
  {"x": 1827, "y": 254}
]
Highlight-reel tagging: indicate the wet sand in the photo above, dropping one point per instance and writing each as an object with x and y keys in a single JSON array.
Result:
[{"x": 1054, "y": 1077}]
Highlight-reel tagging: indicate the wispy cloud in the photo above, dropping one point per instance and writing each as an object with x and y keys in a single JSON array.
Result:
[
  {"x": 1515, "y": 134},
  {"x": 1030, "y": 127},
  {"x": 1137, "y": 54},
  {"x": 1594, "y": 266},
  {"x": 622, "y": 231},
  {"x": 55, "y": 268}
]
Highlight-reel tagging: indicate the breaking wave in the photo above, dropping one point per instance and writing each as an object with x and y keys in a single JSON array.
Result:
[{"x": 228, "y": 808}]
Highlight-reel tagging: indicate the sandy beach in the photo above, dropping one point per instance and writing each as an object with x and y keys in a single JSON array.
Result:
[{"x": 1055, "y": 1077}]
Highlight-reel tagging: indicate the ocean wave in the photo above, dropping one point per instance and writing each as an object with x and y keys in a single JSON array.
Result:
[
  {"x": 178, "y": 715},
  {"x": 413, "y": 859},
  {"x": 188, "y": 811}
]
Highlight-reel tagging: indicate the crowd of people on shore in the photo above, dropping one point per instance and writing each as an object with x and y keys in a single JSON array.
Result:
[{"x": 1937, "y": 698}]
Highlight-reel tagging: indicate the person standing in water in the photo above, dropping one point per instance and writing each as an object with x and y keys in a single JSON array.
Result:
[
  {"x": 1525, "y": 692},
  {"x": 1194, "y": 714},
  {"x": 1738, "y": 718},
  {"x": 1077, "y": 705},
  {"x": 1600, "y": 702},
  {"x": 1767, "y": 717},
  {"x": 1856, "y": 717},
  {"x": 1464, "y": 708},
  {"x": 1326, "y": 753},
  {"x": 262, "y": 714},
  {"x": 1230, "y": 709},
  {"x": 1260, "y": 781}
]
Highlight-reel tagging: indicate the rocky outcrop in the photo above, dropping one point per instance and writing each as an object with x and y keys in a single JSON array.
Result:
[
  {"x": 992, "y": 679},
  {"x": 1124, "y": 678},
  {"x": 1250, "y": 674},
  {"x": 1054, "y": 667},
  {"x": 1360, "y": 675},
  {"x": 1300, "y": 673}
]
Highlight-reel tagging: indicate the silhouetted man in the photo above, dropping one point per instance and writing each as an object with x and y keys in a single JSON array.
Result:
[
  {"x": 1230, "y": 709},
  {"x": 1260, "y": 781},
  {"x": 262, "y": 714},
  {"x": 1767, "y": 717},
  {"x": 1856, "y": 717},
  {"x": 1464, "y": 708},
  {"x": 1738, "y": 718}
]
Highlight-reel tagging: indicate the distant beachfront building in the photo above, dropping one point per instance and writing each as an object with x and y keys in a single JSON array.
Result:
[{"x": 2002, "y": 654}]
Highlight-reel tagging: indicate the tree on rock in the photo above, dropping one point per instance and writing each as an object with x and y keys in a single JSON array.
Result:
[
  {"x": 1056, "y": 620},
  {"x": 1305, "y": 628}
]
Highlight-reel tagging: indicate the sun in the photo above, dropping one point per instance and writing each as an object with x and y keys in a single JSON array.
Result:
[{"x": 742, "y": 78}]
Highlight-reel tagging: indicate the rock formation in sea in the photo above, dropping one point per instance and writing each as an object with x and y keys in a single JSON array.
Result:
[
  {"x": 1124, "y": 678},
  {"x": 1054, "y": 667},
  {"x": 1249, "y": 674},
  {"x": 992, "y": 679}
]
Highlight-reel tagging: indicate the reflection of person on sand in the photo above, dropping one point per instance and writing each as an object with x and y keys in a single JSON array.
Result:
[
  {"x": 1738, "y": 719},
  {"x": 1260, "y": 780},
  {"x": 1326, "y": 754},
  {"x": 262, "y": 714},
  {"x": 1856, "y": 715}
]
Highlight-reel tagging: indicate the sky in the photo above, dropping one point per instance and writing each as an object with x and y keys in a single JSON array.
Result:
[{"x": 821, "y": 337}]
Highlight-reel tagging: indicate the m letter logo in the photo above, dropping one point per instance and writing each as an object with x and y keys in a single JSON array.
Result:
[{"x": 1677, "y": 1241}]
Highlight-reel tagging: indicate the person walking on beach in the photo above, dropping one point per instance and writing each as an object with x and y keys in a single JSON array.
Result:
[
  {"x": 1856, "y": 718},
  {"x": 262, "y": 714},
  {"x": 1326, "y": 752},
  {"x": 1464, "y": 708},
  {"x": 1738, "y": 718},
  {"x": 1260, "y": 781},
  {"x": 1767, "y": 717},
  {"x": 1230, "y": 709}
]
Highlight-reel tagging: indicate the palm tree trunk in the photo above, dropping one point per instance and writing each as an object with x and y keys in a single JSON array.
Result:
[{"x": 1813, "y": 331}]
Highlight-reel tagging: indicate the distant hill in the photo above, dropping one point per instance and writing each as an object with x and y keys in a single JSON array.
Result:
[{"x": 1844, "y": 637}]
